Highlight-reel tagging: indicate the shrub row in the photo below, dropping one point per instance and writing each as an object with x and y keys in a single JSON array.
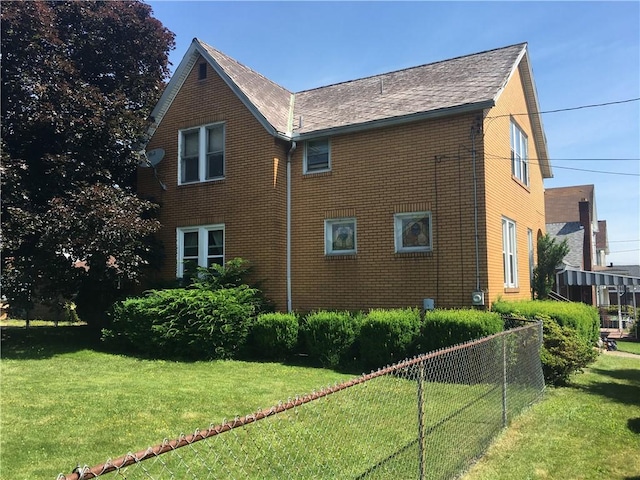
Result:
[
  {"x": 371, "y": 340},
  {"x": 582, "y": 318},
  {"x": 225, "y": 323}
]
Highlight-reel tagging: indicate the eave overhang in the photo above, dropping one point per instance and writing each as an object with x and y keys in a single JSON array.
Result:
[{"x": 393, "y": 121}]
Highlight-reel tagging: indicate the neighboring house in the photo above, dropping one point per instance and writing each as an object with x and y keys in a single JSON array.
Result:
[
  {"x": 408, "y": 188},
  {"x": 571, "y": 215},
  {"x": 602, "y": 244}
]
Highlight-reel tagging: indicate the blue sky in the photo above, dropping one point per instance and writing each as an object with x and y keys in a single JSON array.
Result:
[{"x": 582, "y": 53}]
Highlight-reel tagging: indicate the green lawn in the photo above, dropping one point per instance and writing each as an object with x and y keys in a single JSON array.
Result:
[
  {"x": 630, "y": 347},
  {"x": 63, "y": 402},
  {"x": 590, "y": 430}
]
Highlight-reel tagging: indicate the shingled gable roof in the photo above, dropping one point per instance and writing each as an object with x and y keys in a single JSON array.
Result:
[
  {"x": 561, "y": 204},
  {"x": 463, "y": 84}
]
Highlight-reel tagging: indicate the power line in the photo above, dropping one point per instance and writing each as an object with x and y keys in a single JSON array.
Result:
[
  {"x": 598, "y": 171},
  {"x": 568, "y": 109},
  {"x": 531, "y": 162}
]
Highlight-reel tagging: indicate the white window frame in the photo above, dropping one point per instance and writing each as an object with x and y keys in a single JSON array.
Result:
[
  {"x": 519, "y": 153},
  {"x": 329, "y": 240},
  {"x": 203, "y": 246},
  {"x": 202, "y": 152},
  {"x": 401, "y": 221},
  {"x": 531, "y": 253},
  {"x": 510, "y": 253},
  {"x": 312, "y": 168}
]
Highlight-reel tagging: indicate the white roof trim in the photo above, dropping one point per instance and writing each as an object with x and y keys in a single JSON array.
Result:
[{"x": 181, "y": 74}]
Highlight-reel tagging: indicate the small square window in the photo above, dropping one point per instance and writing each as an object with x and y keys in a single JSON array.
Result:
[
  {"x": 317, "y": 156},
  {"x": 340, "y": 236},
  {"x": 413, "y": 232}
]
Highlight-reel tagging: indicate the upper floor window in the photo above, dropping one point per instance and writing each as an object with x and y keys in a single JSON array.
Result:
[
  {"x": 412, "y": 232},
  {"x": 199, "y": 247},
  {"x": 519, "y": 154},
  {"x": 201, "y": 153},
  {"x": 340, "y": 236},
  {"x": 317, "y": 156},
  {"x": 509, "y": 254}
]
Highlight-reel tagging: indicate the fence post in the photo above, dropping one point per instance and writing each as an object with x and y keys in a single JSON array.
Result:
[
  {"x": 504, "y": 380},
  {"x": 421, "y": 437}
]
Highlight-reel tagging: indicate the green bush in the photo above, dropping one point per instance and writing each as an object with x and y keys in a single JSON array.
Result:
[
  {"x": 329, "y": 337},
  {"x": 184, "y": 323},
  {"x": 444, "y": 328},
  {"x": 388, "y": 336},
  {"x": 582, "y": 318},
  {"x": 563, "y": 353},
  {"x": 274, "y": 335}
]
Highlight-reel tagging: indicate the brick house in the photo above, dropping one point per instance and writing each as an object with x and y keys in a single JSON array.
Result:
[{"x": 413, "y": 187}]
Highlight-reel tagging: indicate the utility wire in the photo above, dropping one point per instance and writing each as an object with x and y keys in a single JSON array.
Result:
[
  {"x": 531, "y": 162},
  {"x": 568, "y": 109}
]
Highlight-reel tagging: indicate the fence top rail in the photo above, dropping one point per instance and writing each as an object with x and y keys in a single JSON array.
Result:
[{"x": 84, "y": 473}]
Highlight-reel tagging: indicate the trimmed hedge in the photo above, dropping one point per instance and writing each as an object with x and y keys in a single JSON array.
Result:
[
  {"x": 329, "y": 337},
  {"x": 388, "y": 336},
  {"x": 184, "y": 323},
  {"x": 582, "y": 318},
  {"x": 563, "y": 352},
  {"x": 274, "y": 335},
  {"x": 444, "y": 328}
]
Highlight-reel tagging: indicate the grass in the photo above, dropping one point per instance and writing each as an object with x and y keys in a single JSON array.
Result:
[
  {"x": 589, "y": 430},
  {"x": 628, "y": 346},
  {"x": 64, "y": 402}
]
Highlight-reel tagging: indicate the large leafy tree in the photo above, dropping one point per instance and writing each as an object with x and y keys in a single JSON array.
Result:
[{"x": 79, "y": 80}]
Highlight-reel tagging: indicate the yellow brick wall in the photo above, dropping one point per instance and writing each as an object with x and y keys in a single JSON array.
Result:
[
  {"x": 374, "y": 174},
  {"x": 250, "y": 201},
  {"x": 506, "y": 196},
  {"x": 414, "y": 167}
]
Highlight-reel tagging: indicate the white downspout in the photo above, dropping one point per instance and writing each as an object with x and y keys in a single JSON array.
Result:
[{"x": 289, "y": 154}]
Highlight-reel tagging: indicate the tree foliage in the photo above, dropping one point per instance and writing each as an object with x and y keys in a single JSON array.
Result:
[
  {"x": 550, "y": 255},
  {"x": 79, "y": 80}
]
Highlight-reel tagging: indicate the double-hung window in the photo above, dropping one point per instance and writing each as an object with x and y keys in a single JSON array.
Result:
[
  {"x": 201, "y": 153},
  {"x": 199, "y": 247},
  {"x": 509, "y": 253},
  {"x": 317, "y": 156},
  {"x": 519, "y": 154},
  {"x": 413, "y": 232}
]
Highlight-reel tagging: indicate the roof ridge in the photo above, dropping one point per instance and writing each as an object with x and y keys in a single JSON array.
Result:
[
  {"x": 459, "y": 57},
  {"x": 231, "y": 59}
]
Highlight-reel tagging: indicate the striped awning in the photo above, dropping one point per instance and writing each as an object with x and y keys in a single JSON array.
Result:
[{"x": 582, "y": 277}]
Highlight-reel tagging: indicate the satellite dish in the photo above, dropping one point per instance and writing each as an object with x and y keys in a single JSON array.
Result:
[{"x": 154, "y": 156}]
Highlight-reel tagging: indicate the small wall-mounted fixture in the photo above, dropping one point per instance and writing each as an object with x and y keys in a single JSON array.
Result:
[
  {"x": 477, "y": 298},
  {"x": 428, "y": 304}
]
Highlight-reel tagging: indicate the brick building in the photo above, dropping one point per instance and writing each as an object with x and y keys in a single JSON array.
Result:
[{"x": 423, "y": 183}]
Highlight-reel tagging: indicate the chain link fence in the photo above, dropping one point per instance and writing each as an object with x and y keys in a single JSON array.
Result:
[{"x": 427, "y": 417}]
